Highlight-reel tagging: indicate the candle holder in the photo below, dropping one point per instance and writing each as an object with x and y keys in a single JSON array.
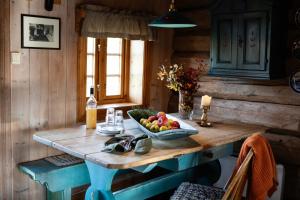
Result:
[{"x": 203, "y": 120}]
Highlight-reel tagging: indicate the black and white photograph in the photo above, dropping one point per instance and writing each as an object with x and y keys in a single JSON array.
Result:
[{"x": 40, "y": 32}]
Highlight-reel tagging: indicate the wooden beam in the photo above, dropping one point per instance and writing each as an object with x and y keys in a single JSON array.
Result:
[
  {"x": 192, "y": 43},
  {"x": 267, "y": 114},
  {"x": 279, "y": 93}
]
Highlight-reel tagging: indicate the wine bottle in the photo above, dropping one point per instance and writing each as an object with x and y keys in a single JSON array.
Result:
[{"x": 91, "y": 111}]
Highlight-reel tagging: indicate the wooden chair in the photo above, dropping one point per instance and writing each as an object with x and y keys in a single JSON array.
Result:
[{"x": 232, "y": 191}]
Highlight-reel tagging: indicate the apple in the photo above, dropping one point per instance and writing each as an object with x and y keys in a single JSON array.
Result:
[
  {"x": 154, "y": 128},
  {"x": 170, "y": 121},
  {"x": 162, "y": 120},
  {"x": 148, "y": 125},
  {"x": 152, "y": 118},
  {"x": 155, "y": 122},
  {"x": 145, "y": 122},
  {"x": 163, "y": 128},
  {"x": 160, "y": 114},
  {"x": 175, "y": 124},
  {"x": 142, "y": 120}
]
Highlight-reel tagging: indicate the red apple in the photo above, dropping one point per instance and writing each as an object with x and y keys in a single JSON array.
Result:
[
  {"x": 162, "y": 120},
  {"x": 159, "y": 114},
  {"x": 152, "y": 118},
  {"x": 175, "y": 124}
]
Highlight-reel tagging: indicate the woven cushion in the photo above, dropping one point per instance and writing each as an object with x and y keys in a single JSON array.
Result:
[{"x": 189, "y": 191}]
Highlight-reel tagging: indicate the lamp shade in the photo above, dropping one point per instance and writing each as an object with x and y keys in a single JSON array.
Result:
[{"x": 172, "y": 19}]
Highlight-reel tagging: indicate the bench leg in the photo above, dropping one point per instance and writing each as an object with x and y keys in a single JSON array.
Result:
[
  {"x": 60, "y": 195},
  {"x": 101, "y": 181}
]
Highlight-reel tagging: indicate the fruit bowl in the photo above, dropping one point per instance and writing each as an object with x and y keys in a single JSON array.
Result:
[{"x": 169, "y": 127}]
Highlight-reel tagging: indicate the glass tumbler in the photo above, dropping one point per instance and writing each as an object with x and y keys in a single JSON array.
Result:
[
  {"x": 110, "y": 116},
  {"x": 119, "y": 120}
]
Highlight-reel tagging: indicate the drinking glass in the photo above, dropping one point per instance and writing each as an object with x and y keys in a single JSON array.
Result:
[
  {"x": 110, "y": 116},
  {"x": 119, "y": 120}
]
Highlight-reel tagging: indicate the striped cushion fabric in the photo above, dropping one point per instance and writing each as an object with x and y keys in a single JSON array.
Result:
[{"x": 190, "y": 191}]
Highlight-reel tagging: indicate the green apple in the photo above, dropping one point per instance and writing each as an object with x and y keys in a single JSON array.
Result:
[
  {"x": 142, "y": 120},
  {"x": 145, "y": 122},
  {"x": 155, "y": 122},
  {"x": 148, "y": 125},
  {"x": 154, "y": 128},
  {"x": 163, "y": 128}
]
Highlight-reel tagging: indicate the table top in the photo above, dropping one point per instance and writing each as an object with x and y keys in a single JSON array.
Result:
[{"x": 86, "y": 144}]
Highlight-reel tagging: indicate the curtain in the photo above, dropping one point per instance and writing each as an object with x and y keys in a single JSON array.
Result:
[{"x": 103, "y": 22}]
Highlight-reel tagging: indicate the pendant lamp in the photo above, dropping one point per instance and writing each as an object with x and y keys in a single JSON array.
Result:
[{"x": 173, "y": 19}]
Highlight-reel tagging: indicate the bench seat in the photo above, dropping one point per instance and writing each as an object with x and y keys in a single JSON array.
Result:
[{"x": 58, "y": 181}]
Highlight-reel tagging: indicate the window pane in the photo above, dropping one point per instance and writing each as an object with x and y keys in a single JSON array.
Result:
[
  {"x": 114, "y": 46},
  {"x": 91, "y": 45},
  {"x": 136, "y": 71},
  {"x": 90, "y": 63},
  {"x": 89, "y": 84},
  {"x": 113, "y": 66},
  {"x": 137, "y": 56},
  {"x": 113, "y": 85}
]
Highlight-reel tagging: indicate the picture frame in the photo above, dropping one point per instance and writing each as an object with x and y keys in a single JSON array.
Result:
[{"x": 40, "y": 32}]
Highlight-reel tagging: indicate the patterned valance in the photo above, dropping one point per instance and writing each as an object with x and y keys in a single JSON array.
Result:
[{"x": 103, "y": 22}]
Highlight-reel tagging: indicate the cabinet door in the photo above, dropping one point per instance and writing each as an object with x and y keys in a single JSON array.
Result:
[
  {"x": 252, "y": 41},
  {"x": 224, "y": 45}
]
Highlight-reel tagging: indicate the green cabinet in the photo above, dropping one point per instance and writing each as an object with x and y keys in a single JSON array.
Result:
[
  {"x": 244, "y": 41},
  {"x": 224, "y": 43}
]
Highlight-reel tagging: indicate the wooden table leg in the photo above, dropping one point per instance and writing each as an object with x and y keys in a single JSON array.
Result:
[{"x": 101, "y": 181}]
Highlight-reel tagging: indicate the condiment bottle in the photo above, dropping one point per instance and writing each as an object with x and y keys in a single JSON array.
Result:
[{"x": 91, "y": 111}]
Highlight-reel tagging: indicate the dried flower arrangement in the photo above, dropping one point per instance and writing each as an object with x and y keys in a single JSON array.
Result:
[
  {"x": 185, "y": 81},
  {"x": 180, "y": 79}
]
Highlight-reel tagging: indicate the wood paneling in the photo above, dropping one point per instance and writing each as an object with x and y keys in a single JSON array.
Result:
[
  {"x": 40, "y": 93},
  {"x": 268, "y": 114},
  {"x": 256, "y": 91},
  {"x": 192, "y": 43},
  {"x": 5, "y": 141}
]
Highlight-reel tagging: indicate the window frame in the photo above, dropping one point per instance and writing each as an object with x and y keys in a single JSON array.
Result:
[
  {"x": 100, "y": 73},
  {"x": 81, "y": 79}
]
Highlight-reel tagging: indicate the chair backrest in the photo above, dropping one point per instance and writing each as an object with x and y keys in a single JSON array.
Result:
[
  {"x": 235, "y": 186},
  {"x": 227, "y": 167}
]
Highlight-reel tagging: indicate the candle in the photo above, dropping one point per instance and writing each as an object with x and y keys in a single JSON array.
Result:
[{"x": 205, "y": 101}]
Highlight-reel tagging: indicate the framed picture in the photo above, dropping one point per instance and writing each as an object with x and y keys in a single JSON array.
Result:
[{"x": 39, "y": 32}]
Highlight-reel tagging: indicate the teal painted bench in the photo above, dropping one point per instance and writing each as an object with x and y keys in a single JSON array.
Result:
[{"x": 58, "y": 181}]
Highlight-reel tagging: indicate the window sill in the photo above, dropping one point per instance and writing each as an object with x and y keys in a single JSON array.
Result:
[{"x": 117, "y": 105}]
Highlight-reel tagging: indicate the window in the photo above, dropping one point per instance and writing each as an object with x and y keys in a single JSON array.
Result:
[
  {"x": 116, "y": 67},
  {"x": 118, "y": 70},
  {"x": 90, "y": 65}
]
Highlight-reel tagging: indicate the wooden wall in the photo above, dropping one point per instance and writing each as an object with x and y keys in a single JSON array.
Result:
[
  {"x": 5, "y": 137},
  {"x": 270, "y": 103},
  {"x": 40, "y": 93}
]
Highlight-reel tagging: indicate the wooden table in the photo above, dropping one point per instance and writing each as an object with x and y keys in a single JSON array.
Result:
[{"x": 179, "y": 156}]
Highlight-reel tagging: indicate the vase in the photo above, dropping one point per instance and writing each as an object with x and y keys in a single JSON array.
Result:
[{"x": 186, "y": 104}]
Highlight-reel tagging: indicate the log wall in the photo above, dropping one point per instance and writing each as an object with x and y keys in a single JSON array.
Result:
[
  {"x": 40, "y": 93},
  {"x": 271, "y": 103}
]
